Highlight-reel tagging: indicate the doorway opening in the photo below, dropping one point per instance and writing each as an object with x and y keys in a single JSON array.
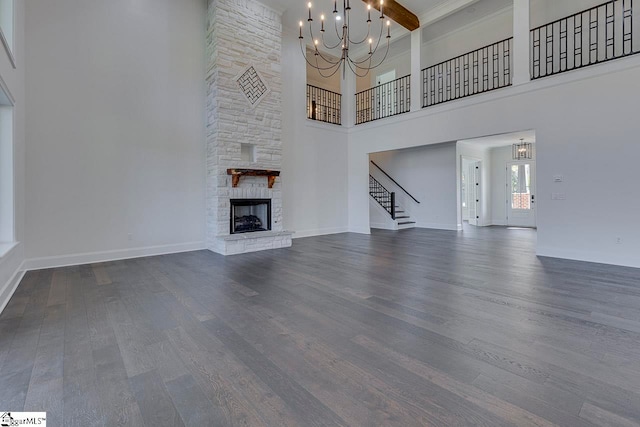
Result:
[{"x": 496, "y": 188}]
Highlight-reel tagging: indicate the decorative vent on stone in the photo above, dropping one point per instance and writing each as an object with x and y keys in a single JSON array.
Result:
[{"x": 252, "y": 86}]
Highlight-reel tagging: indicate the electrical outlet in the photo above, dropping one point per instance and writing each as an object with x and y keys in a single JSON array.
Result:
[{"x": 618, "y": 240}]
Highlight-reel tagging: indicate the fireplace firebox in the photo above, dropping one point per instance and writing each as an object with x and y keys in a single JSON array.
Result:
[{"x": 250, "y": 215}]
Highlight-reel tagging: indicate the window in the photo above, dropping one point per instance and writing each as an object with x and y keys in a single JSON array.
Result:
[{"x": 7, "y": 236}]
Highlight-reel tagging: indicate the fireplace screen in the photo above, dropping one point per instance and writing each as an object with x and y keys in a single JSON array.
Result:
[{"x": 248, "y": 215}]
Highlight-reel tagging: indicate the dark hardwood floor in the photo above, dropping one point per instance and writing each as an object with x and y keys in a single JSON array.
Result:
[{"x": 410, "y": 328}]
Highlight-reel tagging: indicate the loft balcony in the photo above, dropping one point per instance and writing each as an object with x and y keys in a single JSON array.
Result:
[{"x": 480, "y": 56}]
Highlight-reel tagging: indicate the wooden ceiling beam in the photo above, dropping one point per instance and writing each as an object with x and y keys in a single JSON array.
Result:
[{"x": 397, "y": 12}]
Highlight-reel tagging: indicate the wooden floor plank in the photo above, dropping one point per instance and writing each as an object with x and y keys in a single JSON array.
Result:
[
  {"x": 154, "y": 401},
  {"x": 411, "y": 328}
]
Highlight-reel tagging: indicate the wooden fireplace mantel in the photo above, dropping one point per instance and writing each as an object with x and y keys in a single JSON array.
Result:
[{"x": 237, "y": 173}]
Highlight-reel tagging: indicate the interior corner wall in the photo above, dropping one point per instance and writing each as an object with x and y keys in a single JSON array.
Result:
[
  {"x": 429, "y": 174},
  {"x": 115, "y": 128},
  {"x": 314, "y": 158},
  {"x": 585, "y": 124}
]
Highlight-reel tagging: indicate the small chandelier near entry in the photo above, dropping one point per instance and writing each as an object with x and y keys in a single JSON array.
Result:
[
  {"x": 342, "y": 43},
  {"x": 522, "y": 150}
]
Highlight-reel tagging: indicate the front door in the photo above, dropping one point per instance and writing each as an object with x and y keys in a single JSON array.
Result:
[{"x": 521, "y": 201}]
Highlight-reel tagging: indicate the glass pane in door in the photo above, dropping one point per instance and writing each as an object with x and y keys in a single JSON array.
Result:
[{"x": 521, "y": 187}]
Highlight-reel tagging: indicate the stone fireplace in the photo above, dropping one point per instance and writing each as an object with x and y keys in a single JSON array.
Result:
[{"x": 244, "y": 126}]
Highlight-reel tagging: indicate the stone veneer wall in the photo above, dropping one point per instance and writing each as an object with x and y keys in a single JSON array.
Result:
[{"x": 242, "y": 33}]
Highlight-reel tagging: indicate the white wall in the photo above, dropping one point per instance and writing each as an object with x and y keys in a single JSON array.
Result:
[
  {"x": 115, "y": 127},
  {"x": 545, "y": 11},
  {"x": 14, "y": 79},
  {"x": 586, "y": 125},
  {"x": 429, "y": 174},
  {"x": 490, "y": 29},
  {"x": 314, "y": 163}
]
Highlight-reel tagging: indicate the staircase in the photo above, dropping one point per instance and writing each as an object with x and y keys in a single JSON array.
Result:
[
  {"x": 403, "y": 221},
  {"x": 387, "y": 200}
]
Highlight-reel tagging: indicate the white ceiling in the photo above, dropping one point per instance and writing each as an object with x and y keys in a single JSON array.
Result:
[
  {"x": 502, "y": 140},
  {"x": 418, "y": 7}
]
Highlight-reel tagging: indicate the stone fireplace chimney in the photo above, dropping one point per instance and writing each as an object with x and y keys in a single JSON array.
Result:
[{"x": 244, "y": 121}]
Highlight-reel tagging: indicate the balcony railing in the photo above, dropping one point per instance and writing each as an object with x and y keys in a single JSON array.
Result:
[
  {"x": 385, "y": 100},
  {"x": 595, "y": 35},
  {"x": 324, "y": 105},
  {"x": 475, "y": 72}
]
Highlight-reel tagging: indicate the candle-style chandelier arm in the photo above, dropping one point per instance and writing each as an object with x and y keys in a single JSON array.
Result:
[
  {"x": 355, "y": 71},
  {"x": 318, "y": 53},
  {"x": 316, "y": 65},
  {"x": 373, "y": 52},
  {"x": 365, "y": 37},
  {"x": 330, "y": 47},
  {"x": 368, "y": 27},
  {"x": 314, "y": 41},
  {"x": 335, "y": 70},
  {"x": 371, "y": 58},
  {"x": 335, "y": 25}
]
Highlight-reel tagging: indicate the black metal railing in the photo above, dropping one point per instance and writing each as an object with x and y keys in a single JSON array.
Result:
[
  {"x": 481, "y": 70},
  {"x": 384, "y": 197},
  {"x": 324, "y": 105},
  {"x": 394, "y": 181},
  {"x": 385, "y": 100},
  {"x": 595, "y": 35}
]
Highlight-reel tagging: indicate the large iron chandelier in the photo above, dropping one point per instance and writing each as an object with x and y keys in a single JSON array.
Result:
[{"x": 339, "y": 47}]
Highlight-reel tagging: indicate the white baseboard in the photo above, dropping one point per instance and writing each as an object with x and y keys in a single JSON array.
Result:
[
  {"x": 359, "y": 229},
  {"x": 319, "y": 232},
  {"x": 10, "y": 287},
  {"x": 114, "y": 255},
  {"x": 590, "y": 256},
  {"x": 435, "y": 226}
]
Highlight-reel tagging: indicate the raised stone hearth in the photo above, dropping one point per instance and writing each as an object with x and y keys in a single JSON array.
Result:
[
  {"x": 252, "y": 242},
  {"x": 243, "y": 107}
]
